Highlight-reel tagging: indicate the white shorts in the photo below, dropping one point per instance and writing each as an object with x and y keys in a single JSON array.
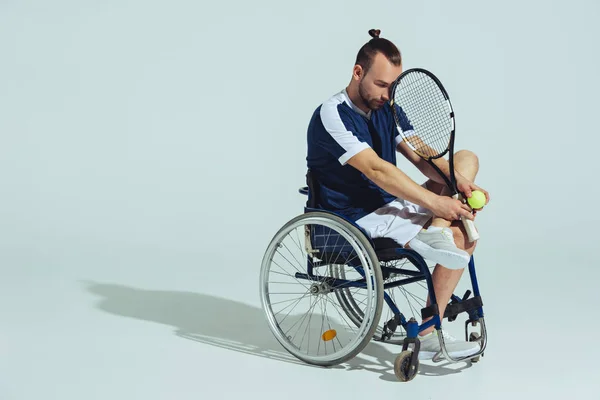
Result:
[{"x": 400, "y": 220}]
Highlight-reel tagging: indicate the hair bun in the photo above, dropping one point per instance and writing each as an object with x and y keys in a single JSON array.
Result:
[{"x": 374, "y": 32}]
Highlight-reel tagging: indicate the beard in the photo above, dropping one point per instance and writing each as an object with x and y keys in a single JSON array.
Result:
[{"x": 371, "y": 103}]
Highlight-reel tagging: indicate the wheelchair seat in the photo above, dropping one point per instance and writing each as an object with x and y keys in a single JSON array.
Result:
[{"x": 385, "y": 248}]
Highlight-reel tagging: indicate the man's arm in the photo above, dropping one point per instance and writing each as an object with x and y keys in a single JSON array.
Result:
[
  {"x": 463, "y": 185},
  {"x": 423, "y": 165},
  {"x": 391, "y": 179}
]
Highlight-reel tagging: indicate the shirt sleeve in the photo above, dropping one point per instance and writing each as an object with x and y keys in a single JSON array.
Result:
[
  {"x": 405, "y": 125},
  {"x": 342, "y": 139}
]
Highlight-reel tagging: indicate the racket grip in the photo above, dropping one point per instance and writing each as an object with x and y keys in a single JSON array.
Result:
[
  {"x": 469, "y": 225},
  {"x": 472, "y": 233}
]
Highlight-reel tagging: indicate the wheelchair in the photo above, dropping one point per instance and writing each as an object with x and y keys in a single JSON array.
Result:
[{"x": 360, "y": 288}]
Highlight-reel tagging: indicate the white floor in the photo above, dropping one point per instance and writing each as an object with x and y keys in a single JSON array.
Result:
[
  {"x": 149, "y": 153},
  {"x": 92, "y": 319}
]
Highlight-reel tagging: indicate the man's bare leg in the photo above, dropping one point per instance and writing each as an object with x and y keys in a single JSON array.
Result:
[
  {"x": 445, "y": 280},
  {"x": 467, "y": 164}
]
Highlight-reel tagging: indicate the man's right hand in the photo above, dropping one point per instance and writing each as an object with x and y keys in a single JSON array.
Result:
[{"x": 451, "y": 209}]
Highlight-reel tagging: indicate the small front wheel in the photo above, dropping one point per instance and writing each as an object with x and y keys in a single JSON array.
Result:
[{"x": 404, "y": 367}]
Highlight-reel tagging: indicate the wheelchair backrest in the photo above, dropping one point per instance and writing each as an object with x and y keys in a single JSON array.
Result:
[{"x": 322, "y": 240}]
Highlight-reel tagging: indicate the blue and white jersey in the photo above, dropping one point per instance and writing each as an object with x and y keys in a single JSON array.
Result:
[{"x": 337, "y": 131}]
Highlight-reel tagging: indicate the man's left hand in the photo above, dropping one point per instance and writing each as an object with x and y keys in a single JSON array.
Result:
[{"x": 466, "y": 187}]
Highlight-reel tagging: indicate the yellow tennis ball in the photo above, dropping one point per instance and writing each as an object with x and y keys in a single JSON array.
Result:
[{"x": 477, "y": 199}]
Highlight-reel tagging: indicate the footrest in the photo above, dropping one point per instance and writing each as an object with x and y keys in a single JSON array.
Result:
[
  {"x": 471, "y": 304},
  {"x": 452, "y": 310}
]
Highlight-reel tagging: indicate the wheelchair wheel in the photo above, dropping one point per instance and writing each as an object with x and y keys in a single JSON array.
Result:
[
  {"x": 312, "y": 325},
  {"x": 409, "y": 299},
  {"x": 404, "y": 367}
]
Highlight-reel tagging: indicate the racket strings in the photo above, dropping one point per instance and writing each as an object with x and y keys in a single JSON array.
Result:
[
  {"x": 425, "y": 100},
  {"x": 434, "y": 124},
  {"x": 427, "y": 109}
]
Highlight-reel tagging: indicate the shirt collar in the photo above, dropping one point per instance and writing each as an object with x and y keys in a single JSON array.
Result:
[{"x": 354, "y": 107}]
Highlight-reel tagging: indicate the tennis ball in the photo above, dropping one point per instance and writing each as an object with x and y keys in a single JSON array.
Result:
[{"x": 477, "y": 199}]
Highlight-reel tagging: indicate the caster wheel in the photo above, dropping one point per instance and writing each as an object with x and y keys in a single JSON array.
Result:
[
  {"x": 473, "y": 337},
  {"x": 404, "y": 368}
]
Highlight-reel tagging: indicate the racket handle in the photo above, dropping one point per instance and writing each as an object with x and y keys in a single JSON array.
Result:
[
  {"x": 469, "y": 225},
  {"x": 472, "y": 233}
]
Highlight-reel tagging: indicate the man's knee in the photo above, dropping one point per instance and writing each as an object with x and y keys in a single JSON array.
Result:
[{"x": 466, "y": 156}]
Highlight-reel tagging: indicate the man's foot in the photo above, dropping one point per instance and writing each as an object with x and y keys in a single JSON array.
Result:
[
  {"x": 430, "y": 346},
  {"x": 437, "y": 244}
]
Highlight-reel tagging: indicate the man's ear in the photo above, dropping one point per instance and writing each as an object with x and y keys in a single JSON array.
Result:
[{"x": 357, "y": 72}]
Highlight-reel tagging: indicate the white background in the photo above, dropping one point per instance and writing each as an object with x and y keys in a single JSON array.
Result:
[{"x": 150, "y": 150}]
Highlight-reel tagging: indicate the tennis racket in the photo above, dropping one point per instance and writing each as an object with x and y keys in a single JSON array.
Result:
[{"x": 419, "y": 101}]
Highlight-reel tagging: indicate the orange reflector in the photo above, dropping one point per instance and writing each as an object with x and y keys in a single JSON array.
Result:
[{"x": 329, "y": 335}]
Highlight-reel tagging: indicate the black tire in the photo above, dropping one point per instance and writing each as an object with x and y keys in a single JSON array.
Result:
[
  {"x": 367, "y": 332},
  {"x": 403, "y": 368}
]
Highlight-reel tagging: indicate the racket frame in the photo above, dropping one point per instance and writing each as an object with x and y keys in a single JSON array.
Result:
[{"x": 450, "y": 182}]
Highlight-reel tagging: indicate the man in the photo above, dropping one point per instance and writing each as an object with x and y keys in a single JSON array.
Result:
[{"x": 352, "y": 146}]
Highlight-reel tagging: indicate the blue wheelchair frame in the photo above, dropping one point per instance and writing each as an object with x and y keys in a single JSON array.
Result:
[{"x": 473, "y": 306}]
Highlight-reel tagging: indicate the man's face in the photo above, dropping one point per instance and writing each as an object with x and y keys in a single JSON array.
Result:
[{"x": 374, "y": 86}]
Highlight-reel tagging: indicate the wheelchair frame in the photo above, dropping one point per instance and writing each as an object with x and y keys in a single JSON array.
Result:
[{"x": 406, "y": 365}]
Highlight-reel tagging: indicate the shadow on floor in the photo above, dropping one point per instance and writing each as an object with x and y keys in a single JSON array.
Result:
[{"x": 236, "y": 326}]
